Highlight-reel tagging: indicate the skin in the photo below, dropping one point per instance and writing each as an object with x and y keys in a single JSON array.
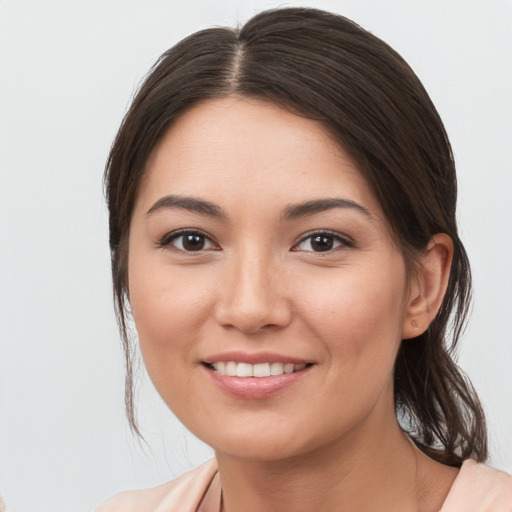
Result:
[{"x": 331, "y": 440}]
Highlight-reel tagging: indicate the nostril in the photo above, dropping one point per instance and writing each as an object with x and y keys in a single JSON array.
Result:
[{"x": 251, "y": 299}]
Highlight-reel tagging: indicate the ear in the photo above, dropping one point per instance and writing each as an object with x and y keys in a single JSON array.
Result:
[{"x": 429, "y": 285}]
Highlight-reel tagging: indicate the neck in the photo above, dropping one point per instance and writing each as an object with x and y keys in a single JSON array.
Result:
[{"x": 359, "y": 472}]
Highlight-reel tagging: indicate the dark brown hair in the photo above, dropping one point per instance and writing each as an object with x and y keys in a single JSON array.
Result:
[{"x": 325, "y": 67}]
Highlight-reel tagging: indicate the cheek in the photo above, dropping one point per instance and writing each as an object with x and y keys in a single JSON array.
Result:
[
  {"x": 169, "y": 309},
  {"x": 359, "y": 315}
]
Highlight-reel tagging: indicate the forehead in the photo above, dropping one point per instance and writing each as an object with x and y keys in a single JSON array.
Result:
[{"x": 245, "y": 149}]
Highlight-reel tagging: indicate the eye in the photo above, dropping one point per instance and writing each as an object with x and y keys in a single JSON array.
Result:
[
  {"x": 188, "y": 241},
  {"x": 322, "y": 241}
]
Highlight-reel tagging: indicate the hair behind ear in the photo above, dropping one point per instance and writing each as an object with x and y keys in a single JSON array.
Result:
[
  {"x": 434, "y": 384},
  {"x": 435, "y": 401}
]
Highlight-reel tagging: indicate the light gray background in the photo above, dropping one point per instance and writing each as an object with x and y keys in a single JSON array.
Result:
[{"x": 68, "y": 70}]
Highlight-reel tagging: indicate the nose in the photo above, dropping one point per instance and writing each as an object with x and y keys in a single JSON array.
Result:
[{"x": 253, "y": 296}]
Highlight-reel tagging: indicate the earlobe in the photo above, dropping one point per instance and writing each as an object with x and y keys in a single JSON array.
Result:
[{"x": 429, "y": 286}]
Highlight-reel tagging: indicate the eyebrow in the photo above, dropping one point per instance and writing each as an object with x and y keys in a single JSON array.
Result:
[
  {"x": 296, "y": 211},
  {"x": 291, "y": 212},
  {"x": 191, "y": 204}
]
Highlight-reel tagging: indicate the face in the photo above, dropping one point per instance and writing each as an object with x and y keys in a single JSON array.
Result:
[{"x": 267, "y": 293}]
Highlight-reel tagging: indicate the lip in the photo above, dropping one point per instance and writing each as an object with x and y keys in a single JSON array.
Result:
[
  {"x": 253, "y": 358},
  {"x": 255, "y": 388}
]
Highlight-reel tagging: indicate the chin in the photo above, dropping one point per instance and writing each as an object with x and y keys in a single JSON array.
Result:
[
  {"x": 268, "y": 451},
  {"x": 261, "y": 444}
]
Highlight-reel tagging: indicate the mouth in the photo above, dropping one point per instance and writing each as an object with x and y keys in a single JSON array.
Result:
[
  {"x": 259, "y": 370},
  {"x": 255, "y": 376}
]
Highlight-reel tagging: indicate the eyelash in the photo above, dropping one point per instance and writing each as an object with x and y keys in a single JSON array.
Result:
[
  {"x": 169, "y": 238},
  {"x": 344, "y": 242}
]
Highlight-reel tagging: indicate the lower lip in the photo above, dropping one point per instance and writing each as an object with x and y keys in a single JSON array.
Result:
[{"x": 256, "y": 388}]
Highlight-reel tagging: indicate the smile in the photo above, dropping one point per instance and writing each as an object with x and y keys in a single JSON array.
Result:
[
  {"x": 234, "y": 369},
  {"x": 255, "y": 376}
]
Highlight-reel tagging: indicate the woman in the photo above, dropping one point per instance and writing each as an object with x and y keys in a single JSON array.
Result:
[{"x": 282, "y": 226}]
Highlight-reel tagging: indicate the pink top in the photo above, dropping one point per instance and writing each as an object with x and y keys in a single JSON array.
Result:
[{"x": 477, "y": 488}]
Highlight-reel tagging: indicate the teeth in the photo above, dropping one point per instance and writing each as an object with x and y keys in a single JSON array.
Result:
[
  {"x": 230, "y": 369},
  {"x": 244, "y": 370},
  {"x": 233, "y": 369},
  {"x": 261, "y": 370},
  {"x": 276, "y": 369}
]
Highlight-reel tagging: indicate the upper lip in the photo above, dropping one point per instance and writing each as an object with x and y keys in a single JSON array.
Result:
[{"x": 254, "y": 358}]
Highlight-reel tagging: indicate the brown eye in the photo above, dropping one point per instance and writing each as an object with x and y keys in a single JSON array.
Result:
[
  {"x": 193, "y": 242},
  {"x": 322, "y": 242},
  {"x": 188, "y": 241}
]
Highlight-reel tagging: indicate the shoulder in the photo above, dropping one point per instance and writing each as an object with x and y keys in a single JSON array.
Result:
[
  {"x": 480, "y": 488},
  {"x": 186, "y": 490}
]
